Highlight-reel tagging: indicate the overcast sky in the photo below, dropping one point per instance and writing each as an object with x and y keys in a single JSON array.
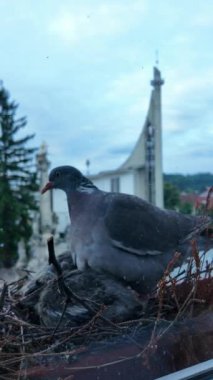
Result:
[{"x": 81, "y": 72}]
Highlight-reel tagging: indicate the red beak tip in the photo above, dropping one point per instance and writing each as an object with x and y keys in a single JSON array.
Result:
[{"x": 48, "y": 186}]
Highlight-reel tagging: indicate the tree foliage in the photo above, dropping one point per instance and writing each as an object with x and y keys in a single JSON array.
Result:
[
  {"x": 17, "y": 181},
  {"x": 186, "y": 207},
  {"x": 171, "y": 196},
  {"x": 190, "y": 182}
]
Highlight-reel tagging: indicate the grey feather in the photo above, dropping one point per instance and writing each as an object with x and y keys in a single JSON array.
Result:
[{"x": 121, "y": 234}]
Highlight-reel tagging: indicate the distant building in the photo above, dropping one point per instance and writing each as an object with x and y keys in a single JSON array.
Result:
[
  {"x": 206, "y": 195},
  {"x": 141, "y": 174},
  {"x": 198, "y": 200}
]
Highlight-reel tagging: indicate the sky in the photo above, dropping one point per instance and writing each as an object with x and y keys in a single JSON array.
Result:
[{"x": 81, "y": 71}]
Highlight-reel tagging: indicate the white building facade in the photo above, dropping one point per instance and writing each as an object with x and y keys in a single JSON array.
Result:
[{"x": 142, "y": 173}]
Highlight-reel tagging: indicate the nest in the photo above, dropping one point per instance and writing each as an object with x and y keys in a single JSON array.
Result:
[{"x": 52, "y": 329}]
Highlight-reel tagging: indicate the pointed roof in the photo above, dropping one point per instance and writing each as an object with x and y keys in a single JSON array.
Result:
[{"x": 137, "y": 158}]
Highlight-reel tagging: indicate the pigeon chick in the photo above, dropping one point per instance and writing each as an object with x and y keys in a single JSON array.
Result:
[{"x": 121, "y": 234}]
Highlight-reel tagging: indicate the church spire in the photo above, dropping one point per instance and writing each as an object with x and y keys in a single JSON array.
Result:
[
  {"x": 157, "y": 81},
  {"x": 155, "y": 166}
]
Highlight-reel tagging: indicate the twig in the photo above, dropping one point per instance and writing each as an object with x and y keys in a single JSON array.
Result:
[
  {"x": 208, "y": 199},
  {"x": 69, "y": 294},
  {"x": 3, "y": 295},
  {"x": 23, "y": 358}
]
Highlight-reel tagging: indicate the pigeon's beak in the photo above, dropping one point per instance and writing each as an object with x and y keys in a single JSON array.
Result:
[{"x": 48, "y": 186}]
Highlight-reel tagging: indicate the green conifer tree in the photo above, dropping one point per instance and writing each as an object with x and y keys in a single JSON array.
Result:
[{"x": 17, "y": 181}]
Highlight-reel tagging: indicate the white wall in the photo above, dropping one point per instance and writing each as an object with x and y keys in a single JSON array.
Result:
[
  {"x": 102, "y": 183},
  {"x": 60, "y": 207},
  {"x": 126, "y": 182}
]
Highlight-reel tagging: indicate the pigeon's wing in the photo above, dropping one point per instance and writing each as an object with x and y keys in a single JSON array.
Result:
[{"x": 136, "y": 226}]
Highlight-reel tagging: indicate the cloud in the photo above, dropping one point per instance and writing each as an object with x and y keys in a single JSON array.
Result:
[
  {"x": 186, "y": 101},
  {"x": 203, "y": 18},
  {"x": 121, "y": 149},
  {"x": 89, "y": 99},
  {"x": 76, "y": 24},
  {"x": 127, "y": 85}
]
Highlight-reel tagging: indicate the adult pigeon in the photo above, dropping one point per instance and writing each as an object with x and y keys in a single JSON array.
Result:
[{"x": 121, "y": 234}]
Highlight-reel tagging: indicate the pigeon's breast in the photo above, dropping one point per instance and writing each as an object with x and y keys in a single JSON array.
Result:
[{"x": 85, "y": 230}]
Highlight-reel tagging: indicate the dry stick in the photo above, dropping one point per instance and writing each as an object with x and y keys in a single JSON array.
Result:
[
  {"x": 16, "y": 321},
  {"x": 69, "y": 294},
  {"x": 173, "y": 286},
  {"x": 18, "y": 358},
  {"x": 208, "y": 207},
  {"x": 196, "y": 259},
  {"x": 192, "y": 292},
  {"x": 67, "y": 300},
  {"x": 62, "y": 286},
  {"x": 3, "y": 295},
  {"x": 8, "y": 378},
  {"x": 208, "y": 199},
  {"x": 162, "y": 287},
  {"x": 23, "y": 359},
  {"x": 182, "y": 308}
]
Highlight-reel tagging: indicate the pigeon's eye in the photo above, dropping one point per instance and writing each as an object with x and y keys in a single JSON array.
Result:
[{"x": 57, "y": 174}]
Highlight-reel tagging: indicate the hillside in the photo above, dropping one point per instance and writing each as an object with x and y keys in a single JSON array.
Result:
[{"x": 190, "y": 182}]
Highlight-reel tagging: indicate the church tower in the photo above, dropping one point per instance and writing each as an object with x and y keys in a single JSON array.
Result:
[
  {"x": 154, "y": 164},
  {"x": 147, "y": 153}
]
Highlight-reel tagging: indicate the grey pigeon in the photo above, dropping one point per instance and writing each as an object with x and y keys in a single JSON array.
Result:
[{"x": 121, "y": 234}]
